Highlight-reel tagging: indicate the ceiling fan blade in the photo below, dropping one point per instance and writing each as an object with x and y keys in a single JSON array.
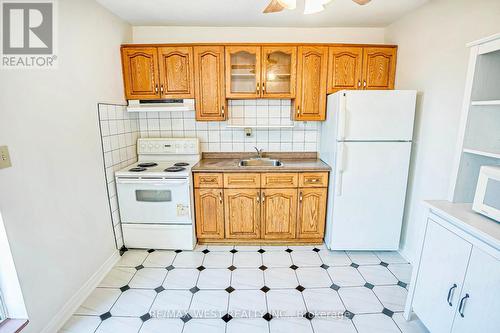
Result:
[
  {"x": 273, "y": 7},
  {"x": 361, "y": 2}
]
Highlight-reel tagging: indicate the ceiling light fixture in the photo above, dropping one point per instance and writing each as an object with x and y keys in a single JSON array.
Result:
[{"x": 311, "y": 6}]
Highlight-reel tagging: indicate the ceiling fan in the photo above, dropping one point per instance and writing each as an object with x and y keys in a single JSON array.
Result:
[{"x": 311, "y": 6}]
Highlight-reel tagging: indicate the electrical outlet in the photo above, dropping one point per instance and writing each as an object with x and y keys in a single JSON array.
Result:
[
  {"x": 248, "y": 132},
  {"x": 4, "y": 157}
]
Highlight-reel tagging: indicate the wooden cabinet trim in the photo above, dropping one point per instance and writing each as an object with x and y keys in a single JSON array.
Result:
[
  {"x": 379, "y": 75},
  {"x": 311, "y": 216},
  {"x": 310, "y": 102},
  {"x": 242, "y": 180},
  {"x": 292, "y": 50},
  {"x": 279, "y": 218},
  {"x": 313, "y": 179},
  {"x": 345, "y": 65},
  {"x": 242, "y": 213},
  {"x": 176, "y": 72},
  {"x": 279, "y": 180},
  {"x": 251, "y": 50},
  {"x": 131, "y": 75},
  {"x": 209, "y": 211},
  {"x": 208, "y": 180},
  {"x": 209, "y": 78}
]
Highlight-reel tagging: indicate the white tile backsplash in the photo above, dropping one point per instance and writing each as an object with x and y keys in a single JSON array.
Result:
[
  {"x": 119, "y": 134},
  {"x": 218, "y": 137}
]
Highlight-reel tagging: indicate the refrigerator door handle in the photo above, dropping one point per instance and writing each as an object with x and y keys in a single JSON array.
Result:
[
  {"x": 342, "y": 117},
  {"x": 340, "y": 169}
]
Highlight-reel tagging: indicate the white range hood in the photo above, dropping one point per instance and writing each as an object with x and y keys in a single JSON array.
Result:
[{"x": 164, "y": 105}]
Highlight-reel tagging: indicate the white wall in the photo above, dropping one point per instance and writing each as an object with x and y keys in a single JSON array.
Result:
[
  {"x": 53, "y": 199},
  {"x": 432, "y": 58},
  {"x": 145, "y": 34}
]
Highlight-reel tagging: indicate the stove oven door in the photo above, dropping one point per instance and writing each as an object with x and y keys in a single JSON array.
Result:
[{"x": 154, "y": 200}]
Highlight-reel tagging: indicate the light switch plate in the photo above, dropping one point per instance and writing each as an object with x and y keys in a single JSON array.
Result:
[{"x": 4, "y": 157}]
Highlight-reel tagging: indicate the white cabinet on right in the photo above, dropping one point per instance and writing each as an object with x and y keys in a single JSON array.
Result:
[
  {"x": 456, "y": 284},
  {"x": 479, "y": 305}
]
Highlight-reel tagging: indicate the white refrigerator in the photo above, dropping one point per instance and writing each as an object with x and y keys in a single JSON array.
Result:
[{"x": 367, "y": 139}]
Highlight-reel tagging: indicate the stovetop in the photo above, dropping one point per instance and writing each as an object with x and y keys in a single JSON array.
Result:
[{"x": 173, "y": 169}]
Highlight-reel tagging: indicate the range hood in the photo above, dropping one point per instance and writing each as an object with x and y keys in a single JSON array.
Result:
[{"x": 163, "y": 105}]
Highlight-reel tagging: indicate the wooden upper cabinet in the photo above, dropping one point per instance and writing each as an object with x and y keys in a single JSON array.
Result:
[
  {"x": 140, "y": 72},
  {"x": 310, "y": 103},
  {"x": 345, "y": 65},
  {"x": 311, "y": 212},
  {"x": 279, "y": 207},
  {"x": 242, "y": 213},
  {"x": 279, "y": 67},
  {"x": 243, "y": 71},
  {"x": 379, "y": 67},
  {"x": 209, "y": 83},
  {"x": 176, "y": 72},
  {"x": 209, "y": 213}
]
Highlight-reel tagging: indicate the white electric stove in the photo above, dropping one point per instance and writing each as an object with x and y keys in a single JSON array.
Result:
[{"x": 155, "y": 195}]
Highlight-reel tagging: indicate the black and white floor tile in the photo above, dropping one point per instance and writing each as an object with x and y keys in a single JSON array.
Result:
[{"x": 271, "y": 289}]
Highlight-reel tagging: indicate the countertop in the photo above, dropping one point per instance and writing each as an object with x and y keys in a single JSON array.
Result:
[
  {"x": 463, "y": 217},
  {"x": 218, "y": 163}
]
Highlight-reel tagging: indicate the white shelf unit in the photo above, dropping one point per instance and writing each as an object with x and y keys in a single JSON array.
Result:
[
  {"x": 486, "y": 103},
  {"x": 479, "y": 134}
]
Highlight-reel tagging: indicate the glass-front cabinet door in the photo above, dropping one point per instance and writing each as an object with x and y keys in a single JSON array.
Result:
[
  {"x": 243, "y": 72},
  {"x": 278, "y": 71}
]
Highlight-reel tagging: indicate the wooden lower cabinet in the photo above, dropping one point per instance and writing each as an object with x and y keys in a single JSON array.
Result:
[
  {"x": 209, "y": 205},
  {"x": 279, "y": 207},
  {"x": 242, "y": 213},
  {"x": 311, "y": 212},
  {"x": 226, "y": 212}
]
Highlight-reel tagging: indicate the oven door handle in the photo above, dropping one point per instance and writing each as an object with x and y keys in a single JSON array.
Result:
[{"x": 158, "y": 182}]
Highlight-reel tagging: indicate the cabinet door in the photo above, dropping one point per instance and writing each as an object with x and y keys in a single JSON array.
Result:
[
  {"x": 242, "y": 213},
  {"x": 440, "y": 277},
  {"x": 481, "y": 296},
  {"x": 379, "y": 68},
  {"x": 209, "y": 83},
  {"x": 279, "y": 66},
  {"x": 279, "y": 207},
  {"x": 344, "y": 68},
  {"x": 243, "y": 72},
  {"x": 209, "y": 209},
  {"x": 176, "y": 72},
  {"x": 140, "y": 72},
  {"x": 310, "y": 103},
  {"x": 311, "y": 212}
]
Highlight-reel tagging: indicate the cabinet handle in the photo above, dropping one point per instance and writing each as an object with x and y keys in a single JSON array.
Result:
[
  {"x": 359, "y": 83},
  {"x": 364, "y": 84},
  {"x": 220, "y": 197},
  {"x": 156, "y": 88},
  {"x": 450, "y": 294},
  {"x": 462, "y": 304},
  {"x": 258, "y": 198},
  {"x": 300, "y": 197},
  {"x": 223, "y": 112},
  {"x": 263, "y": 197},
  {"x": 298, "y": 110},
  {"x": 263, "y": 87},
  {"x": 161, "y": 89}
]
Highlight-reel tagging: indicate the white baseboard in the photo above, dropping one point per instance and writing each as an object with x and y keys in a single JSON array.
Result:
[{"x": 60, "y": 318}]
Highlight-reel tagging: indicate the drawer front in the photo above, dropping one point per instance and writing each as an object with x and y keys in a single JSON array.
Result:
[
  {"x": 208, "y": 180},
  {"x": 242, "y": 180},
  {"x": 279, "y": 180},
  {"x": 313, "y": 179}
]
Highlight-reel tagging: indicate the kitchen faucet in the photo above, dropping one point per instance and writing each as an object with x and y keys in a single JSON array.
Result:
[{"x": 259, "y": 152}]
